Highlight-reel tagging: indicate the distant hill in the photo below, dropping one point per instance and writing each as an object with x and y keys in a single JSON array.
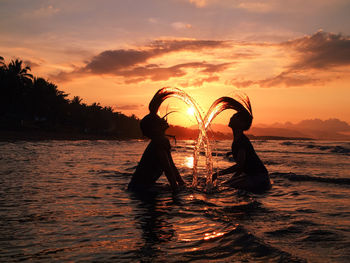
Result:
[{"x": 331, "y": 129}]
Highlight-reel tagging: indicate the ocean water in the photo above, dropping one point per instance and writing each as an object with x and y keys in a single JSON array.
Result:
[{"x": 67, "y": 201}]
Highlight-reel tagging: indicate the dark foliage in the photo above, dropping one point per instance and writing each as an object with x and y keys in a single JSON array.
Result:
[{"x": 34, "y": 104}]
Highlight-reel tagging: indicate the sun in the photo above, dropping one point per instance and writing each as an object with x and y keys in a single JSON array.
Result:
[{"x": 190, "y": 111}]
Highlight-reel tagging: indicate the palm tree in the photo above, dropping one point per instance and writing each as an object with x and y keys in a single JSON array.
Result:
[
  {"x": 76, "y": 100},
  {"x": 16, "y": 70},
  {"x": 46, "y": 100},
  {"x": 2, "y": 63},
  {"x": 2, "y": 69},
  {"x": 19, "y": 83}
]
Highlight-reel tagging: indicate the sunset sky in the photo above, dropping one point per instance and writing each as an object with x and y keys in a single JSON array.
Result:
[{"x": 291, "y": 57}]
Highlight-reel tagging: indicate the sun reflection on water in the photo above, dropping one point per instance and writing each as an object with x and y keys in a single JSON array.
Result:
[
  {"x": 214, "y": 234},
  {"x": 188, "y": 162}
]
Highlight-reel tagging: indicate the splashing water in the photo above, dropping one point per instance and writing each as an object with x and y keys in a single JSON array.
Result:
[
  {"x": 217, "y": 107},
  {"x": 167, "y": 92}
]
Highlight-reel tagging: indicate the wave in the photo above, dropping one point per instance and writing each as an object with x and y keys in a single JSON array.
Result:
[
  {"x": 329, "y": 148},
  {"x": 228, "y": 149},
  {"x": 292, "y": 152},
  {"x": 287, "y": 143},
  {"x": 269, "y": 162},
  {"x": 232, "y": 245},
  {"x": 319, "y": 235},
  {"x": 298, "y": 177},
  {"x": 333, "y": 149}
]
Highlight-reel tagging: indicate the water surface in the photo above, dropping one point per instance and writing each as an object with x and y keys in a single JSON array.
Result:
[{"x": 67, "y": 201}]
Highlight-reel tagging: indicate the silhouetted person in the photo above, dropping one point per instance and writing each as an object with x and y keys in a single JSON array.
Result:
[
  {"x": 157, "y": 157},
  {"x": 249, "y": 173}
]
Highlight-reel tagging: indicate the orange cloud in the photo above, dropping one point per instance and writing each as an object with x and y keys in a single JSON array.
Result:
[
  {"x": 322, "y": 50},
  {"x": 304, "y": 58},
  {"x": 286, "y": 79},
  {"x": 156, "y": 73},
  {"x": 199, "y": 3},
  {"x": 132, "y": 63},
  {"x": 129, "y": 107},
  {"x": 181, "y": 25},
  {"x": 199, "y": 82},
  {"x": 31, "y": 64},
  {"x": 312, "y": 54}
]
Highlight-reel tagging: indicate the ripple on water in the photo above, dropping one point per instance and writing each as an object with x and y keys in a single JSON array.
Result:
[{"x": 66, "y": 201}]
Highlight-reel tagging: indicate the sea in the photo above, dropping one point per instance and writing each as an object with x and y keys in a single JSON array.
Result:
[{"x": 67, "y": 201}]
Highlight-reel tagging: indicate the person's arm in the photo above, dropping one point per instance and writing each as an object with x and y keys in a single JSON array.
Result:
[
  {"x": 167, "y": 167},
  {"x": 236, "y": 169},
  {"x": 241, "y": 157},
  {"x": 177, "y": 174},
  {"x": 231, "y": 169}
]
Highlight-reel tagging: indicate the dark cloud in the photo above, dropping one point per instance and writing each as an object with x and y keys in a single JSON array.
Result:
[
  {"x": 112, "y": 61},
  {"x": 31, "y": 64},
  {"x": 131, "y": 62},
  {"x": 288, "y": 79},
  {"x": 321, "y": 50},
  {"x": 318, "y": 52},
  {"x": 285, "y": 79},
  {"x": 139, "y": 74},
  {"x": 156, "y": 73}
]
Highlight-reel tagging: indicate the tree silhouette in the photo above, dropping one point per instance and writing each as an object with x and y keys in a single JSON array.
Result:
[
  {"x": 76, "y": 100},
  {"x": 16, "y": 70},
  {"x": 28, "y": 102},
  {"x": 16, "y": 82},
  {"x": 2, "y": 62}
]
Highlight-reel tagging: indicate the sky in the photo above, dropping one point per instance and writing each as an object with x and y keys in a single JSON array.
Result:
[{"x": 290, "y": 57}]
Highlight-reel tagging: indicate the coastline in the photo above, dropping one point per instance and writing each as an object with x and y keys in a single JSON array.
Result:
[
  {"x": 6, "y": 136},
  {"x": 30, "y": 135}
]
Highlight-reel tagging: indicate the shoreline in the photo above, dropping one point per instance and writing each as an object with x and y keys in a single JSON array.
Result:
[
  {"x": 59, "y": 136},
  {"x": 31, "y": 135}
]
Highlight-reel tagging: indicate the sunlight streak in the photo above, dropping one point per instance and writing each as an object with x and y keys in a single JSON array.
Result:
[{"x": 213, "y": 235}]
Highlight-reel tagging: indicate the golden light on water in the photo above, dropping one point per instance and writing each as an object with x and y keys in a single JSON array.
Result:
[
  {"x": 188, "y": 162},
  {"x": 214, "y": 234}
]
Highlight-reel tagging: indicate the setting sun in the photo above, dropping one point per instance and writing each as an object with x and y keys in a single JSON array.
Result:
[
  {"x": 117, "y": 142},
  {"x": 190, "y": 111}
]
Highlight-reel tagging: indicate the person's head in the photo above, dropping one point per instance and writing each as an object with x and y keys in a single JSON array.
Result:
[
  {"x": 152, "y": 125},
  {"x": 241, "y": 120}
]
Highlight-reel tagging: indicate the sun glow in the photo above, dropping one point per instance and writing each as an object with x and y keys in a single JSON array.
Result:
[{"x": 190, "y": 111}]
